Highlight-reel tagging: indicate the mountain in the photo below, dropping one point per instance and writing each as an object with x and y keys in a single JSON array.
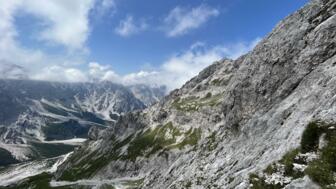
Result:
[
  {"x": 265, "y": 120},
  {"x": 148, "y": 94},
  {"x": 37, "y": 114}
]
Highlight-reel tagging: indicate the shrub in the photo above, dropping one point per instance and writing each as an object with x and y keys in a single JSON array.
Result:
[
  {"x": 310, "y": 137},
  {"x": 270, "y": 169},
  {"x": 322, "y": 170},
  {"x": 329, "y": 151},
  {"x": 319, "y": 171},
  {"x": 288, "y": 161}
]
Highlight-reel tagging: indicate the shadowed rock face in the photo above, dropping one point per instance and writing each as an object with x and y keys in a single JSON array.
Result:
[{"x": 234, "y": 118}]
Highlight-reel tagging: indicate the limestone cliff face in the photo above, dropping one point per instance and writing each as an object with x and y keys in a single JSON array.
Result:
[{"x": 233, "y": 119}]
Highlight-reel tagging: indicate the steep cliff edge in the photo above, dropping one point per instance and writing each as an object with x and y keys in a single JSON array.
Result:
[{"x": 223, "y": 128}]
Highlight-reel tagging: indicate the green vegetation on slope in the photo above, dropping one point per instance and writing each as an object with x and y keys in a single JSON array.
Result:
[
  {"x": 40, "y": 181},
  {"x": 322, "y": 170},
  {"x": 216, "y": 82},
  {"x": 151, "y": 141},
  {"x": 192, "y": 103},
  {"x": 310, "y": 137},
  {"x": 144, "y": 144}
]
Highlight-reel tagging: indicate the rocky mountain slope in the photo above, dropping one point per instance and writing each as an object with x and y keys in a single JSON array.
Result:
[
  {"x": 265, "y": 120},
  {"x": 34, "y": 113},
  {"x": 148, "y": 95}
]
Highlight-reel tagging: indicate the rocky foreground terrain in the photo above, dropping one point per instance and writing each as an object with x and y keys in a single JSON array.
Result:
[{"x": 265, "y": 120}]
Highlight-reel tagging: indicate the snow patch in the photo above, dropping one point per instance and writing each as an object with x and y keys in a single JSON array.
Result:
[{"x": 74, "y": 141}]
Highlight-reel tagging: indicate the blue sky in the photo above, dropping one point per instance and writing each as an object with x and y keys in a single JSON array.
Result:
[
  {"x": 241, "y": 20},
  {"x": 128, "y": 41}
]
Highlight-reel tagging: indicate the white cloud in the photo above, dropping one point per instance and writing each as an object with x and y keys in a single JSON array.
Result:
[
  {"x": 104, "y": 6},
  {"x": 66, "y": 21},
  {"x": 180, "y": 68},
  {"x": 62, "y": 22},
  {"x": 128, "y": 27},
  {"x": 10, "y": 51},
  {"x": 176, "y": 70},
  {"x": 181, "y": 20},
  {"x": 58, "y": 73},
  {"x": 72, "y": 32},
  {"x": 173, "y": 72},
  {"x": 97, "y": 71}
]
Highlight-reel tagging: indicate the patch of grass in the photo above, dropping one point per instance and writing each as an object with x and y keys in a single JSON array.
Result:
[
  {"x": 188, "y": 184},
  {"x": 214, "y": 100},
  {"x": 192, "y": 104},
  {"x": 142, "y": 144},
  {"x": 151, "y": 141},
  {"x": 85, "y": 169},
  {"x": 91, "y": 163},
  {"x": 161, "y": 138},
  {"x": 320, "y": 172},
  {"x": 270, "y": 169},
  {"x": 189, "y": 104},
  {"x": 191, "y": 138},
  {"x": 259, "y": 183},
  {"x": 323, "y": 170},
  {"x": 216, "y": 82},
  {"x": 329, "y": 151},
  {"x": 288, "y": 161}
]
